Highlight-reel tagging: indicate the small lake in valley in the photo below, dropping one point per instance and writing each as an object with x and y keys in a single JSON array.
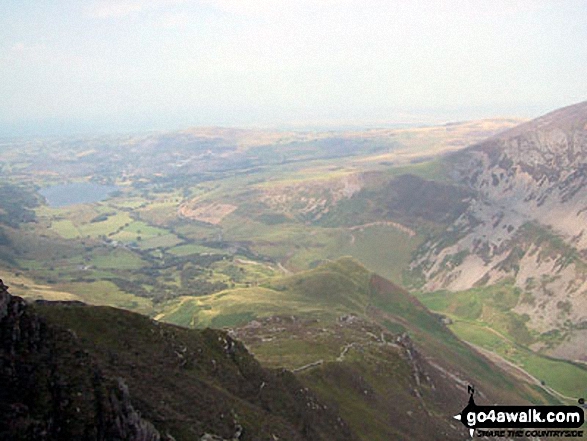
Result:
[{"x": 63, "y": 195}]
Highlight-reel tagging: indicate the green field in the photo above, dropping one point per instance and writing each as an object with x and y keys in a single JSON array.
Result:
[
  {"x": 483, "y": 317},
  {"x": 106, "y": 293},
  {"x": 66, "y": 229},
  {"x": 186, "y": 250},
  {"x": 137, "y": 229},
  {"x": 113, "y": 223},
  {"x": 564, "y": 377},
  {"x": 116, "y": 259}
]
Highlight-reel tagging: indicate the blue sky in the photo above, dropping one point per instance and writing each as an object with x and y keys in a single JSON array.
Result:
[{"x": 132, "y": 65}]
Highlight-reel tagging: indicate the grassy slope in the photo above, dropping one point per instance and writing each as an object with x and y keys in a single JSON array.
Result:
[
  {"x": 357, "y": 368},
  {"x": 482, "y": 316},
  {"x": 344, "y": 287},
  {"x": 332, "y": 289},
  {"x": 372, "y": 387},
  {"x": 187, "y": 382},
  {"x": 373, "y": 377}
]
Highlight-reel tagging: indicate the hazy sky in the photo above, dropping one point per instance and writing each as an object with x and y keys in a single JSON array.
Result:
[{"x": 130, "y": 65}]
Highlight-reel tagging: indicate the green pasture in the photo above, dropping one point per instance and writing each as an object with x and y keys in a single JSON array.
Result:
[
  {"x": 164, "y": 241},
  {"x": 191, "y": 248},
  {"x": 105, "y": 228},
  {"x": 198, "y": 231},
  {"x": 66, "y": 229},
  {"x": 106, "y": 293},
  {"x": 116, "y": 259},
  {"x": 74, "y": 227},
  {"x": 146, "y": 236},
  {"x": 566, "y": 378}
]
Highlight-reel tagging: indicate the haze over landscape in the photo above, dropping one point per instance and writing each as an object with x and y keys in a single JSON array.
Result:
[
  {"x": 273, "y": 220},
  {"x": 124, "y": 66}
]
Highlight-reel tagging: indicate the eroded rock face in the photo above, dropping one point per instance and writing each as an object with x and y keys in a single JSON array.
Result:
[
  {"x": 540, "y": 174},
  {"x": 526, "y": 222},
  {"x": 51, "y": 390}
]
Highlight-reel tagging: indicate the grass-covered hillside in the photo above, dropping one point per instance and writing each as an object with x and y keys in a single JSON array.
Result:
[
  {"x": 364, "y": 359},
  {"x": 71, "y": 371},
  {"x": 319, "y": 298}
]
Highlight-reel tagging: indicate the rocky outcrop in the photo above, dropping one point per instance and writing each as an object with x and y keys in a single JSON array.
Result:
[
  {"x": 70, "y": 371},
  {"x": 50, "y": 389},
  {"x": 537, "y": 170},
  {"x": 128, "y": 423}
]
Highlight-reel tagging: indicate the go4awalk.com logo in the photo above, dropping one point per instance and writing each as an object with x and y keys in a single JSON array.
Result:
[{"x": 514, "y": 421}]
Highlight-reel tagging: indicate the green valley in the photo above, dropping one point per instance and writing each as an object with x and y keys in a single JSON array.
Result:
[{"x": 248, "y": 232}]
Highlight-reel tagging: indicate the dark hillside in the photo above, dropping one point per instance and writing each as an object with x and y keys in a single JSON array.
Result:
[
  {"x": 71, "y": 371},
  {"x": 407, "y": 199},
  {"x": 51, "y": 388}
]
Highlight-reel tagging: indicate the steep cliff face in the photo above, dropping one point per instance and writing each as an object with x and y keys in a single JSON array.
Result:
[
  {"x": 50, "y": 389},
  {"x": 539, "y": 170},
  {"x": 527, "y": 222}
]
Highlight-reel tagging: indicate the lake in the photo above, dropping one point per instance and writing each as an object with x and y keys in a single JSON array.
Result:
[{"x": 76, "y": 193}]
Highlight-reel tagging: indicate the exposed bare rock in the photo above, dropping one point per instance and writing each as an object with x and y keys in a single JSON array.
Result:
[
  {"x": 527, "y": 220},
  {"x": 51, "y": 390}
]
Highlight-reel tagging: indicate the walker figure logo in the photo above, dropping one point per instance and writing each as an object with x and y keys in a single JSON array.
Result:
[{"x": 519, "y": 417}]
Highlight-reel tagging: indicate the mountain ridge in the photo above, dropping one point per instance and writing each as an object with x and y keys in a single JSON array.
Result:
[
  {"x": 85, "y": 380},
  {"x": 527, "y": 221}
]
